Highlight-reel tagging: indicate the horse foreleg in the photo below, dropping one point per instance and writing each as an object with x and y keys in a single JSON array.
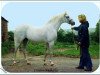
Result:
[
  {"x": 46, "y": 51},
  {"x": 45, "y": 56},
  {"x": 51, "y": 62},
  {"x": 51, "y": 54}
]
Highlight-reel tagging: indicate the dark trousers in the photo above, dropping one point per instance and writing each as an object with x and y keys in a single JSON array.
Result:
[{"x": 85, "y": 59}]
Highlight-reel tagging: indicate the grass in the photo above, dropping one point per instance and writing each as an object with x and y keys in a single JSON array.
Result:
[
  {"x": 36, "y": 48},
  {"x": 61, "y": 49},
  {"x": 94, "y": 50}
]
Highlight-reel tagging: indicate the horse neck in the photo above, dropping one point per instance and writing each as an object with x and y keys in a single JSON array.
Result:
[{"x": 56, "y": 24}]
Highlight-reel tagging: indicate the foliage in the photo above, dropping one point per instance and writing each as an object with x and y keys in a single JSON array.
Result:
[
  {"x": 97, "y": 32},
  {"x": 11, "y": 36},
  {"x": 94, "y": 37},
  {"x": 61, "y": 49},
  {"x": 35, "y": 48},
  {"x": 64, "y": 36},
  {"x": 7, "y": 46}
]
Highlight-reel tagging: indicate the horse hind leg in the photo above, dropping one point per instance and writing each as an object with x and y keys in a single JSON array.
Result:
[
  {"x": 24, "y": 50},
  {"x": 17, "y": 44}
]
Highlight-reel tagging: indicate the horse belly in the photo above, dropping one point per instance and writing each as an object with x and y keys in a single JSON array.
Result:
[{"x": 36, "y": 36}]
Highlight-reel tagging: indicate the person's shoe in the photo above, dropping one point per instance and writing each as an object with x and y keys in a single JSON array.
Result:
[
  {"x": 88, "y": 69},
  {"x": 79, "y": 67}
]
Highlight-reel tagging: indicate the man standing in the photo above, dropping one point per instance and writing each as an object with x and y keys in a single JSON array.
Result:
[{"x": 83, "y": 41}]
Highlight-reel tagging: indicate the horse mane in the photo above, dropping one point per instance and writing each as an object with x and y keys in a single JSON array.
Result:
[{"x": 54, "y": 18}]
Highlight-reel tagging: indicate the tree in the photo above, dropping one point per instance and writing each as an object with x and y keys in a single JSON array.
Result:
[
  {"x": 96, "y": 33},
  {"x": 60, "y": 35},
  {"x": 94, "y": 36},
  {"x": 11, "y": 36}
]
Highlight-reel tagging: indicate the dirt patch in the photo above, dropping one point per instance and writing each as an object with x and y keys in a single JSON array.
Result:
[{"x": 62, "y": 64}]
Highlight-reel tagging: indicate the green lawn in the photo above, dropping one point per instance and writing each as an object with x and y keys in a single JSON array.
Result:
[{"x": 61, "y": 49}]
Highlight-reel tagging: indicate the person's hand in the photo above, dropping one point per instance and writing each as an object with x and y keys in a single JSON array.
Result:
[
  {"x": 72, "y": 28},
  {"x": 79, "y": 43}
]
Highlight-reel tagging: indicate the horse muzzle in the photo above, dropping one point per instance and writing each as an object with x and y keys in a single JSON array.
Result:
[{"x": 72, "y": 22}]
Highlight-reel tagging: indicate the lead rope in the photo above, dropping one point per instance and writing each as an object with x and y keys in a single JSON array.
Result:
[{"x": 73, "y": 36}]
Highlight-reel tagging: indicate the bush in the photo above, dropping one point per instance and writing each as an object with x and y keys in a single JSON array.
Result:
[
  {"x": 64, "y": 36},
  {"x": 94, "y": 36},
  {"x": 11, "y": 36},
  {"x": 96, "y": 33},
  {"x": 5, "y": 50},
  {"x": 6, "y": 46},
  {"x": 35, "y": 48}
]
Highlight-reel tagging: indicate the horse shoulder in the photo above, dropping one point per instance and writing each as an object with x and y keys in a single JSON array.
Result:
[{"x": 51, "y": 34}]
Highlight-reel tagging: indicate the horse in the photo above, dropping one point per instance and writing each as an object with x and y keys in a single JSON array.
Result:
[{"x": 46, "y": 34}]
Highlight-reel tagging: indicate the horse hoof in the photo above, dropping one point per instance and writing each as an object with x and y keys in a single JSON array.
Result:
[
  {"x": 52, "y": 64},
  {"x": 28, "y": 63},
  {"x": 45, "y": 64},
  {"x": 14, "y": 63}
]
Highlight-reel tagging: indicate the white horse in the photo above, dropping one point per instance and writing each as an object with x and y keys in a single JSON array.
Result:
[{"x": 47, "y": 34}]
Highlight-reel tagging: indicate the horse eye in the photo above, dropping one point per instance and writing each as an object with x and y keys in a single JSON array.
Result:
[{"x": 67, "y": 16}]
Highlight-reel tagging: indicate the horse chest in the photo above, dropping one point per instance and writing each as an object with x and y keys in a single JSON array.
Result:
[{"x": 51, "y": 35}]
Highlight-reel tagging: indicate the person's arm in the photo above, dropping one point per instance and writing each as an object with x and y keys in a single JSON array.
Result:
[{"x": 75, "y": 28}]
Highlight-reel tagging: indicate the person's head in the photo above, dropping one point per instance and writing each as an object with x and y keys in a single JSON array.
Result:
[{"x": 82, "y": 18}]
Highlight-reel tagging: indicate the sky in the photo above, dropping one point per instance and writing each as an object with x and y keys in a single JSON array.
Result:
[{"x": 39, "y": 13}]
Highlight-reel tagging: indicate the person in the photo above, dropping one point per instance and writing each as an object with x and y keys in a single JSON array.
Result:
[{"x": 83, "y": 40}]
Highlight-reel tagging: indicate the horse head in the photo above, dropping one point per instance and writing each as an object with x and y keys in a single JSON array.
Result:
[{"x": 67, "y": 19}]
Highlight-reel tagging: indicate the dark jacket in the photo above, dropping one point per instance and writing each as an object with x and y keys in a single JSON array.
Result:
[{"x": 83, "y": 34}]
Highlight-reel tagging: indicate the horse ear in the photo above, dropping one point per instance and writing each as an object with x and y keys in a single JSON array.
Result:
[{"x": 65, "y": 13}]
